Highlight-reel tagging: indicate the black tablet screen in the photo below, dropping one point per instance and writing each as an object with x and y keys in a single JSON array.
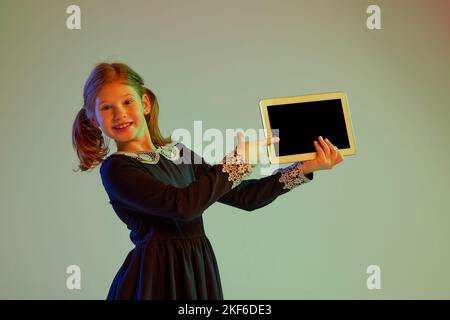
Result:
[{"x": 300, "y": 124}]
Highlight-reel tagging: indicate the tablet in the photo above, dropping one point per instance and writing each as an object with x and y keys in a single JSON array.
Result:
[{"x": 299, "y": 120}]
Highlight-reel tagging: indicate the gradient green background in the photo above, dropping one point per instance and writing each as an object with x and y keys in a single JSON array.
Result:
[{"x": 212, "y": 61}]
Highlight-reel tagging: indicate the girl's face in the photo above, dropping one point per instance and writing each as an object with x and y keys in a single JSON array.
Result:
[{"x": 118, "y": 104}]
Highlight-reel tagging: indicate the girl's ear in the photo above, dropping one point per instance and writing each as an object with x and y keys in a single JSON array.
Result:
[{"x": 146, "y": 103}]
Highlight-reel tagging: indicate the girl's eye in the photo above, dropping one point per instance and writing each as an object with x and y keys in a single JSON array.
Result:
[{"x": 126, "y": 101}]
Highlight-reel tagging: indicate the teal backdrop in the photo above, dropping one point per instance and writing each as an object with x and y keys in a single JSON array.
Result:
[{"x": 212, "y": 61}]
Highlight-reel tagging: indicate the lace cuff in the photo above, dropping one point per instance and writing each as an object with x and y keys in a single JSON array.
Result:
[
  {"x": 236, "y": 167},
  {"x": 292, "y": 176}
]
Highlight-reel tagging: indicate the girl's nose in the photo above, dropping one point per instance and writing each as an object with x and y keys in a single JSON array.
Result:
[{"x": 119, "y": 112}]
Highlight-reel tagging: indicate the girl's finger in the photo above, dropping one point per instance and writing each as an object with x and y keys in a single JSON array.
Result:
[
  {"x": 269, "y": 141},
  {"x": 325, "y": 147},
  {"x": 340, "y": 158},
  {"x": 333, "y": 154},
  {"x": 240, "y": 137},
  {"x": 275, "y": 140},
  {"x": 240, "y": 144},
  {"x": 320, "y": 152}
]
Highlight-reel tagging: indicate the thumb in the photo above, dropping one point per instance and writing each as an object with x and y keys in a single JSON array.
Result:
[
  {"x": 270, "y": 141},
  {"x": 274, "y": 140},
  {"x": 240, "y": 138}
]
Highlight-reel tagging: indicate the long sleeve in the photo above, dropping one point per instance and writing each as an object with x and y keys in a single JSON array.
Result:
[
  {"x": 252, "y": 194},
  {"x": 128, "y": 184}
]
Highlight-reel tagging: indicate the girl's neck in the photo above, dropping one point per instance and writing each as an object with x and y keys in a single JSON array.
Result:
[{"x": 135, "y": 149}]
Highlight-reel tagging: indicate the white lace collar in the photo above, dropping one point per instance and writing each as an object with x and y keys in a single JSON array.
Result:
[{"x": 169, "y": 151}]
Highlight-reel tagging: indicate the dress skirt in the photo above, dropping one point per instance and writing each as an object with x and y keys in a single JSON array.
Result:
[{"x": 162, "y": 269}]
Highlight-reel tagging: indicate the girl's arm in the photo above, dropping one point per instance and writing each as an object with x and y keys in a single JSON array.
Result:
[
  {"x": 252, "y": 194},
  {"x": 129, "y": 185}
]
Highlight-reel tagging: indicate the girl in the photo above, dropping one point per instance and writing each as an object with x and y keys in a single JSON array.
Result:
[{"x": 161, "y": 200}]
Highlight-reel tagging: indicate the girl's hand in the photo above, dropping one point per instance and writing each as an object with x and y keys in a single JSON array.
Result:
[
  {"x": 249, "y": 150},
  {"x": 327, "y": 157}
]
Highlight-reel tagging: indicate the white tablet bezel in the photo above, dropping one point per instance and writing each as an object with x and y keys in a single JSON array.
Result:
[{"x": 264, "y": 103}]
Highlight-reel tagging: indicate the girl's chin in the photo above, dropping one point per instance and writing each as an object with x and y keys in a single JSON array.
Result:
[{"x": 125, "y": 136}]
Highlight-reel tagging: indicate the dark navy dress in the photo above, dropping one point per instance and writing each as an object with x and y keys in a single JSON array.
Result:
[{"x": 162, "y": 205}]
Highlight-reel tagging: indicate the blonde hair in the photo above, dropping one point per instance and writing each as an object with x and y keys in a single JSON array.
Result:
[{"x": 87, "y": 138}]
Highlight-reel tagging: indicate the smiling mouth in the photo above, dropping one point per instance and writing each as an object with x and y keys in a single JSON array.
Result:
[{"x": 121, "y": 128}]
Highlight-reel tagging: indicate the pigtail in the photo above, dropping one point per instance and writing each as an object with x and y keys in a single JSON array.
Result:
[
  {"x": 88, "y": 142},
  {"x": 152, "y": 121}
]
